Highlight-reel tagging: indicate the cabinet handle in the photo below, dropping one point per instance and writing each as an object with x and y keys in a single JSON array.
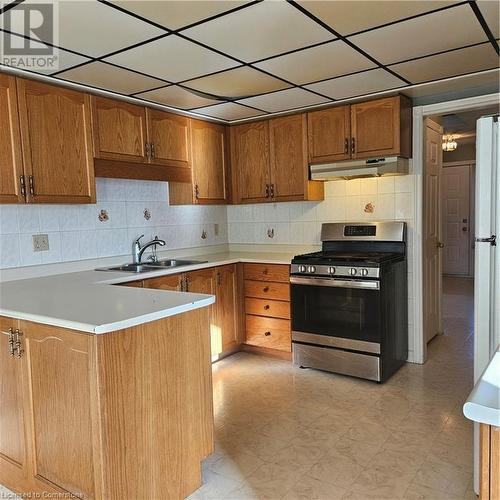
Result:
[
  {"x": 17, "y": 343},
  {"x": 31, "y": 184},
  {"x": 22, "y": 180},
  {"x": 265, "y": 289},
  {"x": 353, "y": 145},
  {"x": 266, "y": 307},
  {"x": 267, "y": 334},
  {"x": 265, "y": 270},
  {"x": 346, "y": 145},
  {"x": 152, "y": 149},
  {"x": 196, "y": 192},
  {"x": 272, "y": 191},
  {"x": 267, "y": 190},
  {"x": 146, "y": 150}
]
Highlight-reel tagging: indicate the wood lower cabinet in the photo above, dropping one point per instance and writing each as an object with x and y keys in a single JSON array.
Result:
[
  {"x": 11, "y": 166},
  {"x": 171, "y": 282},
  {"x": 126, "y": 414},
  {"x": 56, "y": 138},
  {"x": 267, "y": 307},
  {"x": 489, "y": 462},
  {"x": 329, "y": 134}
]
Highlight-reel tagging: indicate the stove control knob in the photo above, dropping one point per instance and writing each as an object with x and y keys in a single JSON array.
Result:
[
  {"x": 331, "y": 270},
  {"x": 311, "y": 269},
  {"x": 302, "y": 269},
  {"x": 364, "y": 272},
  {"x": 353, "y": 271}
]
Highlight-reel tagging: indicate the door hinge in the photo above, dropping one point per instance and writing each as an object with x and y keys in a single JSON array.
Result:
[
  {"x": 196, "y": 192},
  {"x": 147, "y": 152},
  {"x": 492, "y": 240},
  {"x": 353, "y": 145},
  {"x": 152, "y": 149},
  {"x": 267, "y": 190},
  {"x": 219, "y": 279},
  {"x": 271, "y": 192},
  {"x": 184, "y": 284},
  {"x": 346, "y": 146},
  {"x": 12, "y": 348},
  {"x": 22, "y": 180},
  {"x": 17, "y": 342},
  {"x": 31, "y": 183}
]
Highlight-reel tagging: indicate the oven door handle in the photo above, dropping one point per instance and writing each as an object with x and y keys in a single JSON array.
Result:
[{"x": 334, "y": 282}]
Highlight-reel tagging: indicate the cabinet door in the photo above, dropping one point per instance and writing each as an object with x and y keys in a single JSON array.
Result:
[
  {"x": 120, "y": 130},
  {"x": 201, "y": 281},
  {"x": 208, "y": 148},
  {"x": 168, "y": 138},
  {"x": 288, "y": 155},
  {"x": 11, "y": 167},
  {"x": 225, "y": 332},
  {"x": 59, "y": 373},
  {"x": 56, "y": 140},
  {"x": 250, "y": 161},
  {"x": 329, "y": 132},
  {"x": 171, "y": 282},
  {"x": 375, "y": 128},
  {"x": 12, "y": 441}
]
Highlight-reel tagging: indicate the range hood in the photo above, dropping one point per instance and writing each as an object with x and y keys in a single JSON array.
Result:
[{"x": 373, "y": 167}]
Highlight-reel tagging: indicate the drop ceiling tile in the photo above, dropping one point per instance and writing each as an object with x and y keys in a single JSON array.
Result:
[
  {"x": 111, "y": 78},
  {"x": 177, "y": 97},
  {"x": 346, "y": 17},
  {"x": 317, "y": 63},
  {"x": 176, "y": 14},
  {"x": 172, "y": 58},
  {"x": 490, "y": 9},
  {"x": 284, "y": 100},
  {"x": 444, "y": 30},
  {"x": 228, "y": 111},
  {"x": 63, "y": 59},
  {"x": 93, "y": 28},
  {"x": 375, "y": 80},
  {"x": 458, "y": 62},
  {"x": 237, "y": 83},
  {"x": 259, "y": 31}
]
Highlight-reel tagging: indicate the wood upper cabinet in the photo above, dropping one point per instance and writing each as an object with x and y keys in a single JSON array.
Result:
[
  {"x": 11, "y": 167},
  {"x": 209, "y": 162},
  {"x": 329, "y": 134},
  {"x": 168, "y": 138},
  {"x": 12, "y": 439},
  {"x": 250, "y": 161},
  {"x": 381, "y": 127},
  {"x": 225, "y": 331},
  {"x": 288, "y": 157},
  {"x": 56, "y": 143},
  {"x": 120, "y": 130}
]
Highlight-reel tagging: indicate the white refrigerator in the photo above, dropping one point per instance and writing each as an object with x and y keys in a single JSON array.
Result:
[{"x": 486, "y": 255}]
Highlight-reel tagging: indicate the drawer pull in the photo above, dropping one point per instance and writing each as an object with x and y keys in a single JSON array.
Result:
[
  {"x": 267, "y": 334},
  {"x": 265, "y": 289},
  {"x": 267, "y": 307},
  {"x": 265, "y": 271}
]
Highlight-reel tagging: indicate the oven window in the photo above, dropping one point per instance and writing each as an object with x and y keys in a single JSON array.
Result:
[{"x": 338, "y": 312}]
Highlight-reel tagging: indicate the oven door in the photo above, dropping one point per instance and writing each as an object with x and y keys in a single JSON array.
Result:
[{"x": 337, "y": 312}]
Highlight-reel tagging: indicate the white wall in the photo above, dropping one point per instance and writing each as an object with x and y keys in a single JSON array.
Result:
[
  {"x": 299, "y": 223},
  {"x": 75, "y": 232}
]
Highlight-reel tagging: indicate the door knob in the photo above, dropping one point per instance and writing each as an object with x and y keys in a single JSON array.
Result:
[
  {"x": 464, "y": 229},
  {"x": 440, "y": 244}
]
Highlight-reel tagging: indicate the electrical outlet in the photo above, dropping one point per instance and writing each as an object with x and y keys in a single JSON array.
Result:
[
  {"x": 216, "y": 229},
  {"x": 40, "y": 242}
]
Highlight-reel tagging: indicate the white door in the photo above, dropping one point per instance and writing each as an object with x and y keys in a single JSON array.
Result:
[
  {"x": 432, "y": 258},
  {"x": 455, "y": 194},
  {"x": 487, "y": 274}
]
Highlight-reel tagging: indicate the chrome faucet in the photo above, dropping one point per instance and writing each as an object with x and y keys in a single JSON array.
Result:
[{"x": 138, "y": 250}]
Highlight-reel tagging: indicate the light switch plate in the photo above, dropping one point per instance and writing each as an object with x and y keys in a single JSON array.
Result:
[
  {"x": 40, "y": 242},
  {"x": 216, "y": 229}
]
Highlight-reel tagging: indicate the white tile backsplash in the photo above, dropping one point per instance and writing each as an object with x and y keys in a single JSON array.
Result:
[{"x": 76, "y": 233}]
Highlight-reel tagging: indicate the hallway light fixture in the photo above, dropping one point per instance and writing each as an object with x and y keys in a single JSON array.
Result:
[{"x": 449, "y": 143}]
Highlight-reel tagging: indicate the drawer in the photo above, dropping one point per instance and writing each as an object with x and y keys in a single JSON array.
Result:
[
  {"x": 271, "y": 308},
  {"x": 267, "y": 272},
  {"x": 265, "y": 290},
  {"x": 268, "y": 332}
]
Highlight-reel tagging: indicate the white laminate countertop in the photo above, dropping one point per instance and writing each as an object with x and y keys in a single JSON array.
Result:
[
  {"x": 483, "y": 403},
  {"x": 86, "y": 301}
]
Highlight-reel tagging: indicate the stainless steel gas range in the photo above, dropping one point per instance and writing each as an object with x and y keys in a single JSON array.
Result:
[{"x": 350, "y": 301}]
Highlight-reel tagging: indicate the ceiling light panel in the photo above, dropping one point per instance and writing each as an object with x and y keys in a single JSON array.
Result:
[
  {"x": 259, "y": 31},
  {"x": 443, "y": 30},
  {"x": 458, "y": 62},
  {"x": 240, "y": 82},
  {"x": 347, "y": 17},
  {"x": 107, "y": 77},
  {"x": 284, "y": 100},
  {"x": 175, "y": 14},
  {"x": 177, "y": 97},
  {"x": 95, "y": 29},
  {"x": 228, "y": 111},
  {"x": 375, "y": 80},
  {"x": 317, "y": 63},
  {"x": 173, "y": 59}
]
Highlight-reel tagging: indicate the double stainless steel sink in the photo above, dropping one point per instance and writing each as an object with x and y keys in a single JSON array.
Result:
[{"x": 152, "y": 266}]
